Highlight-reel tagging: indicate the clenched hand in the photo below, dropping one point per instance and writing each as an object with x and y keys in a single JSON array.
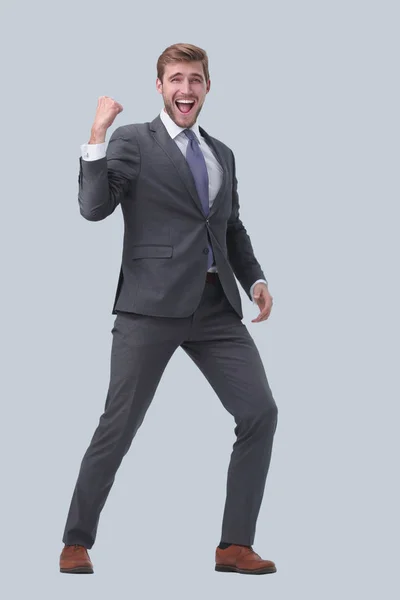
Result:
[{"x": 106, "y": 111}]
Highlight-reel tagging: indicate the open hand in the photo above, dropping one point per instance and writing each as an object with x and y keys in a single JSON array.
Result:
[{"x": 263, "y": 299}]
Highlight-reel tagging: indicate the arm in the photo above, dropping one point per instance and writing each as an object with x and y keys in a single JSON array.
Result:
[
  {"x": 240, "y": 250},
  {"x": 103, "y": 182}
]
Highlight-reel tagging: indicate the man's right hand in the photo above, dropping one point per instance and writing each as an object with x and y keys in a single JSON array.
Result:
[{"x": 107, "y": 110}]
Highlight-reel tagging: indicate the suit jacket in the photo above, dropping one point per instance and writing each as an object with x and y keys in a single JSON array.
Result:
[{"x": 164, "y": 256}]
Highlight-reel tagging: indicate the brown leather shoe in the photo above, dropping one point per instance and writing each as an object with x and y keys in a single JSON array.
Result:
[
  {"x": 75, "y": 559},
  {"x": 242, "y": 559}
]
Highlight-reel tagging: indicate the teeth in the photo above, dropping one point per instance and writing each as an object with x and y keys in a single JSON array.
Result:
[{"x": 186, "y": 101}]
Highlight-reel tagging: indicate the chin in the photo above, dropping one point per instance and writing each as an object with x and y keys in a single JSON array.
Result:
[
  {"x": 183, "y": 121},
  {"x": 186, "y": 122}
]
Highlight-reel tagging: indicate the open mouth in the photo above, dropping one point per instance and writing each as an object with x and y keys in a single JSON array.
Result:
[{"x": 185, "y": 106}]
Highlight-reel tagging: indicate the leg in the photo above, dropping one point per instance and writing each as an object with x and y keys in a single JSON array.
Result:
[
  {"x": 229, "y": 359},
  {"x": 141, "y": 349}
]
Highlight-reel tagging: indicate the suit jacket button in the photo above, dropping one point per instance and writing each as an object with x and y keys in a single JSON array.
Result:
[{"x": 205, "y": 251}]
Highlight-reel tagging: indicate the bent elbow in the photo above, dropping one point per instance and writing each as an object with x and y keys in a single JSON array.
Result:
[{"x": 92, "y": 216}]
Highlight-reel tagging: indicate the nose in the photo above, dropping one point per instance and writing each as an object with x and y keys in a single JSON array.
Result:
[{"x": 185, "y": 87}]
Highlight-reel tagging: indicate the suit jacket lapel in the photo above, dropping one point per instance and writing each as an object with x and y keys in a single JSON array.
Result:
[
  {"x": 163, "y": 138},
  {"x": 222, "y": 162}
]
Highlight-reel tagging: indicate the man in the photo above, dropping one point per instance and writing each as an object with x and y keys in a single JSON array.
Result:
[{"x": 184, "y": 244}]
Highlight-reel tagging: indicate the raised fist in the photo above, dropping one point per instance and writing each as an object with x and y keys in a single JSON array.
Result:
[{"x": 107, "y": 110}]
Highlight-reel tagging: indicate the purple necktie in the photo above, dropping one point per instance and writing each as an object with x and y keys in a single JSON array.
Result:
[{"x": 197, "y": 164}]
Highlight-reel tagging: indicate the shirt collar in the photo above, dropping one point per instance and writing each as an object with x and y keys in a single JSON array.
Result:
[{"x": 173, "y": 129}]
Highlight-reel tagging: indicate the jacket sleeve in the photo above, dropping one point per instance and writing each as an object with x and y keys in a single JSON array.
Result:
[
  {"x": 103, "y": 183},
  {"x": 240, "y": 250}
]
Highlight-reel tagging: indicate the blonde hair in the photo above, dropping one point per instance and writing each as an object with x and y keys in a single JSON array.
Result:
[{"x": 182, "y": 52}]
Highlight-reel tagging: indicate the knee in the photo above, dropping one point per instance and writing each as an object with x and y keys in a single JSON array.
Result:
[
  {"x": 260, "y": 413},
  {"x": 264, "y": 417},
  {"x": 269, "y": 413}
]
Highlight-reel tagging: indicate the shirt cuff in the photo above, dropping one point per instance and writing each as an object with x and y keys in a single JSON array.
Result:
[
  {"x": 93, "y": 151},
  {"x": 252, "y": 287}
]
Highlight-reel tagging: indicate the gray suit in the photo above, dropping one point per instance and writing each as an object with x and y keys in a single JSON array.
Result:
[
  {"x": 164, "y": 220},
  {"x": 162, "y": 302}
]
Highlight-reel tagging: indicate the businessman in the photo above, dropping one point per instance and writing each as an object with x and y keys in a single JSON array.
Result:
[{"x": 184, "y": 244}]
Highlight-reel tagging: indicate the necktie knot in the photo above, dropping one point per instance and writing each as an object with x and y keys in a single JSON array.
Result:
[{"x": 190, "y": 134}]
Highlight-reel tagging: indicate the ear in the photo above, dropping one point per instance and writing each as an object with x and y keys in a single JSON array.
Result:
[
  {"x": 208, "y": 86},
  {"x": 159, "y": 85}
]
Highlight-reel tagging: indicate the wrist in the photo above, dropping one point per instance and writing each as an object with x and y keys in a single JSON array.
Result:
[{"x": 97, "y": 135}]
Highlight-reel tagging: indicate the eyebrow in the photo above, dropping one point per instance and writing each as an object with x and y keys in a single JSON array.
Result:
[{"x": 191, "y": 74}]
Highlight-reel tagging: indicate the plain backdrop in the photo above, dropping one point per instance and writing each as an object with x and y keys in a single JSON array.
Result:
[{"x": 306, "y": 94}]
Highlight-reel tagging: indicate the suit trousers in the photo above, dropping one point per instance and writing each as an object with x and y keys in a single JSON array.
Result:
[{"x": 220, "y": 345}]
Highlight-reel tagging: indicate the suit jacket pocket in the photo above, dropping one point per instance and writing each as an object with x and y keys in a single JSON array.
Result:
[{"x": 152, "y": 251}]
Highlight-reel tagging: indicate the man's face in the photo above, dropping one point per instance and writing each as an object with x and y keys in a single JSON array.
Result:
[{"x": 183, "y": 81}]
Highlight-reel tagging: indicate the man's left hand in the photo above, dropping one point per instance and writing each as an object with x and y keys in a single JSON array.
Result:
[{"x": 263, "y": 299}]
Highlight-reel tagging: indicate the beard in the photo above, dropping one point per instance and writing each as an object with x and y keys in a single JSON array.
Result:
[{"x": 173, "y": 111}]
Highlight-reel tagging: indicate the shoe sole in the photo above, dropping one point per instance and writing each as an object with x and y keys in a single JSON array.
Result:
[
  {"x": 230, "y": 569},
  {"x": 77, "y": 570}
]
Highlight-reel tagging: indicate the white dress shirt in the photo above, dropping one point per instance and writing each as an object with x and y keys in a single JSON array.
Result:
[{"x": 214, "y": 169}]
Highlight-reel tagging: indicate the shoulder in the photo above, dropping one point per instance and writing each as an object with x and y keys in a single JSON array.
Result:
[{"x": 130, "y": 131}]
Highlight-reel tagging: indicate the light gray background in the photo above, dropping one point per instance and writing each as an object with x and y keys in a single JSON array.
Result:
[{"x": 307, "y": 96}]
